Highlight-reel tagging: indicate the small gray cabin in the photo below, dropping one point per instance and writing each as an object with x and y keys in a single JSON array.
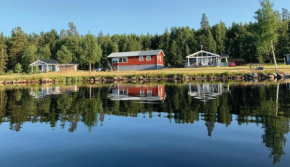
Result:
[{"x": 52, "y": 65}]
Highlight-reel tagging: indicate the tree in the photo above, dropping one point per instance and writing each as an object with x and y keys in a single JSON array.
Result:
[
  {"x": 206, "y": 39},
  {"x": 219, "y": 33},
  {"x": 90, "y": 50},
  {"x": 266, "y": 29},
  {"x": 204, "y": 22},
  {"x": 3, "y": 53},
  {"x": 63, "y": 55},
  {"x": 44, "y": 52},
  {"x": 18, "y": 68},
  {"x": 29, "y": 56},
  {"x": 16, "y": 45},
  {"x": 285, "y": 14}
]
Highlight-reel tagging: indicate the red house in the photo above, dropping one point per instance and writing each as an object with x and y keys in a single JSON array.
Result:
[
  {"x": 137, "y": 92},
  {"x": 137, "y": 60}
]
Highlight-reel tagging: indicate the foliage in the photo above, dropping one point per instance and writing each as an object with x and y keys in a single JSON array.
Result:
[
  {"x": 64, "y": 56},
  {"x": 250, "y": 41},
  {"x": 266, "y": 30},
  {"x": 3, "y": 54},
  {"x": 28, "y": 57},
  {"x": 18, "y": 68},
  {"x": 90, "y": 50}
]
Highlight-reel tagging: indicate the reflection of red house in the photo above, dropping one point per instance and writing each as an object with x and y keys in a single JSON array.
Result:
[
  {"x": 137, "y": 60},
  {"x": 137, "y": 92}
]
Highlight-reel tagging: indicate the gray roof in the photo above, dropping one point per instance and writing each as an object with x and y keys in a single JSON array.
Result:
[
  {"x": 135, "y": 53},
  {"x": 50, "y": 61},
  {"x": 53, "y": 62}
]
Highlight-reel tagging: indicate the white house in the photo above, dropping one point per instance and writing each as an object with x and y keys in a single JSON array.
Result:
[{"x": 206, "y": 59}]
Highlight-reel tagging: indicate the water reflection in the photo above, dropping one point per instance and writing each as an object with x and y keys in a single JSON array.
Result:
[
  {"x": 49, "y": 90},
  {"x": 265, "y": 105},
  {"x": 137, "y": 92},
  {"x": 207, "y": 91}
]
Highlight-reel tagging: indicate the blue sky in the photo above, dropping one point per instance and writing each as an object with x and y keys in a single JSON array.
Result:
[{"x": 123, "y": 16}]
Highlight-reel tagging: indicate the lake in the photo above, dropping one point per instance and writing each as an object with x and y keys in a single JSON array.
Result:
[{"x": 149, "y": 124}]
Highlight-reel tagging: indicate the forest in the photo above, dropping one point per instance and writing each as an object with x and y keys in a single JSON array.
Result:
[{"x": 251, "y": 41}]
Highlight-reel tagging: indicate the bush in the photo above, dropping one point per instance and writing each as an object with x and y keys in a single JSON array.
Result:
[
  {"x": 9, "y": 72},
  {"x": 18, "y": 68}
]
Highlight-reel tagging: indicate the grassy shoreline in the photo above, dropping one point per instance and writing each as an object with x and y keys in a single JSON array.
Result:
[{"x": 164, "y": 73}]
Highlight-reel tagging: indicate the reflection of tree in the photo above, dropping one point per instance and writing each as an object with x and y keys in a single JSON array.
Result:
[
  {"x": 90, "y": 106},
  {"x": 275, "y": 128},
  {"x": 3, "y": 102}
]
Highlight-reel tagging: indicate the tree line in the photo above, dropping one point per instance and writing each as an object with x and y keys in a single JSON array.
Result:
[{"x": 250, "y": 41}]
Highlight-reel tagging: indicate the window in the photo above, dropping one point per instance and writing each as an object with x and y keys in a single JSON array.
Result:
[
  {"x": 115, "y": 60},
  {"x": 149, "y": 92},
  {"x": 148, "y": 58},
  {"x": 141, "y": 58},
  {"x": 123, "y": 60},
  {"x": 142, "y": 93}
]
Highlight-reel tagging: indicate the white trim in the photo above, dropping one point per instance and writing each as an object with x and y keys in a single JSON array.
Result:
[
  {"x": 147, "y": 58},
  {"x": 194, "y": 55},
  {"x": 142, "y": 58}
]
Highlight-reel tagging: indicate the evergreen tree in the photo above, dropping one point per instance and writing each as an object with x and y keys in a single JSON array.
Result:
[
  {"x": 3, "y": 53},
  {"x": 18, "y": 68},
  {"x": 206, "y": 39},
  {"x": 16, "y": 46},
  {"x": 64, "y": 56},
  {"x": 28, "y": 57},
  {"x": 44, "y": 52},
  {"x": 285, "y": 14},
  {"x": 90, "y": 50},
  {"x": 219, "y": 33},
  {"x": 204, "y": 22}
]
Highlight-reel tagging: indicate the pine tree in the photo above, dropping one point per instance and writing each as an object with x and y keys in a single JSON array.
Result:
[
  {"x": 44, "y": 52},
  {"x": 18, "y": 68},
  {"x": 17, "y": 44},
  {"x": 285, "y": 14},
  {"x": 3, "y": 54},
  {"x": 90, "y": 50},
  {"x": 204, "y": 22},
  {"x": 64, "y": 56},
  {"x": 219, "y": 33}
]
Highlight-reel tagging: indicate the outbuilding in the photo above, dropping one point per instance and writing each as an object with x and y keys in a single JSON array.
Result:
[
  {"x": 52, "y": 65},
  {"x": 137, "y": 60}
]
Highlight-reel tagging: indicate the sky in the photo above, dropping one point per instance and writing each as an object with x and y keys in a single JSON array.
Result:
[{"x": 124, "y": 16}]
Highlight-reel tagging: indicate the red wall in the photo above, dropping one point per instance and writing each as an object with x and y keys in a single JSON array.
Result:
[
  {"x": 135, "y": 61},
  {"x": 135, "y": 90}
]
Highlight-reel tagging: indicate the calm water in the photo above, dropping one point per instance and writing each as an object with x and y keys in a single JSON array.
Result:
[{"x": 146, "y": 125}]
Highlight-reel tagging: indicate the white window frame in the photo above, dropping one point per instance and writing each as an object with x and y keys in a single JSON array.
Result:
[
  {"x": 115, "y": 60},
  {"x": 121, "y": 60},
  {"x": 141, "y": 58},
  {"x": 147, "y": 58}
]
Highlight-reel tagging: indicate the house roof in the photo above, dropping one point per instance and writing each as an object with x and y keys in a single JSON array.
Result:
[
  {"x": 51, "y": 62},
  {"x": 209, "y": 54},
  {"x": 135, "y": 53}
]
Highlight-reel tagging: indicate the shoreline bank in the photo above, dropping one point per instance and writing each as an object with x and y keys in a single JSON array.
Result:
[{"x": 227, "y": 76}]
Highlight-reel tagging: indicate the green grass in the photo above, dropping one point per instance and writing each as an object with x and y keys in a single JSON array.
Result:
[{"x": 167, "y": 72}]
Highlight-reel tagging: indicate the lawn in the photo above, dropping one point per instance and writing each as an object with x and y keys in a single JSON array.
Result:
[{"x": 202, "y": 70}]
